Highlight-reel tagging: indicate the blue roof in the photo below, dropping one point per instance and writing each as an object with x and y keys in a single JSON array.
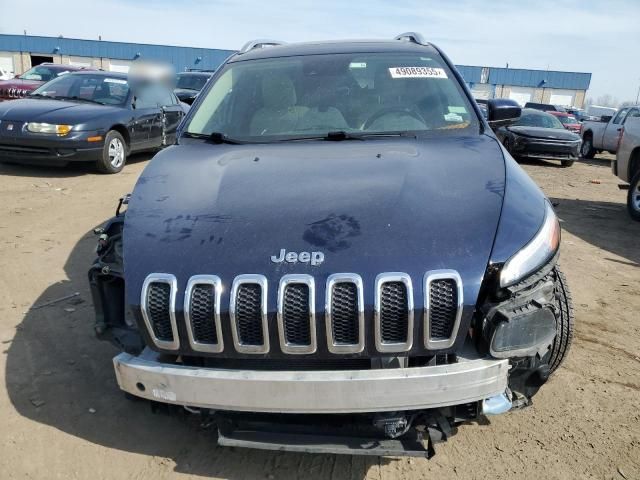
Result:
[
  {"x": 184, "y": 58},
  {"x": 181, "y": 57}
]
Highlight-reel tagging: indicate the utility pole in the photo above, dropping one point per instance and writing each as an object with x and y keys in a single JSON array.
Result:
[{"x": 638, "y": 94}]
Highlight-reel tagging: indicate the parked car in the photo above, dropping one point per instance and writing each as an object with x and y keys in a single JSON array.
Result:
[
  {"x": 569, "y": 122},
  {"x": 33, "y": 78},
  {"x": 579, "y": 113},
  {"x": 87, "y": 117},
  {"x": 605, "y": 134},
  {"x": 540, "y": 135},
  {"x": 336, "y": 256},
  {"x": 626, "y": 166},
  {"x": 482, "y": 105},
  {"x": 598, "y": 111},
  {"x": 189, "y": 84},
  {"x": 545, "y": 107},
  {"x": 5, "y": 75}
]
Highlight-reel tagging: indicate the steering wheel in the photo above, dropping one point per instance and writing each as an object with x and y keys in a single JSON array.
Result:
[{"x": 410, "y": 112}]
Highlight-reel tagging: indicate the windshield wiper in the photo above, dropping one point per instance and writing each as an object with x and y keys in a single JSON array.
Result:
[
  {"x": 79, "y": 99},
  {"x": 214, "y": 137},
  {"x": 340, "y": 135}
]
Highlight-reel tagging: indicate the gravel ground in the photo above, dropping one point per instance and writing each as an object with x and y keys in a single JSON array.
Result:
[{"x": 63, "y": 416}]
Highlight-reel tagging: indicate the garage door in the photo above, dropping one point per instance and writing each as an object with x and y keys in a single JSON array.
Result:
[
  {"x": 521, "y": 95},
  {"x": 562, "y": 97},
  {"x": 121, "y": 66},
  {"x": 482, "y": 91},
  {"x": 6, "y": 64},
  {"x": 80, "y": 61}
]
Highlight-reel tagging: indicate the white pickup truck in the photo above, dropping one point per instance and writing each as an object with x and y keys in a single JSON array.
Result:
[
  {"x": 626, "y": 166},
  {"x": 605, "y": 134}
]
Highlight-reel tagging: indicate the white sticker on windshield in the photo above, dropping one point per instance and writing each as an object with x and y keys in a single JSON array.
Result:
[
  {"x": 358, "y": 65},
  {"x": 119, "y": 81},
  {"x": 417, "y": 72}
]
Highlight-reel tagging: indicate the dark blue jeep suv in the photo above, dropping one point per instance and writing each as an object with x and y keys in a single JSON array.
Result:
[{"x": 337, "y": 255}]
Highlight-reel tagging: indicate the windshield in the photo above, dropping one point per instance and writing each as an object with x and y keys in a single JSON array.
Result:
[
  {"x": 93, "y": 88},
  {"x": 570, "y": 120},
  {"x": 300, "y": 97},
  {"x": 191, "y": 82},
  {"x": 41, "y": 73},
  {"x": 535, "y": 118}
]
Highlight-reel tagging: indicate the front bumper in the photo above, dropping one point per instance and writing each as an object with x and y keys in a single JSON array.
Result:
[
  {"x": 539, "y": 148},
  {"x": 312, "y": 392},
  {"x": 22, "y": 147}
]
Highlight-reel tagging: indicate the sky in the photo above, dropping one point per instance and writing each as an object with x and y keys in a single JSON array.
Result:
[{"x": 601, "y": 37}]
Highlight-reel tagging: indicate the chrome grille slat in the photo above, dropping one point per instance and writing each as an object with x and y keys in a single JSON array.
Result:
[
  {"x": 393, "y": 312},
  {"x": 344, "y": 313},
  {"x": 296, "y": 314},
  {"x": 443, "y": 301},
  {"x": 157, "y": 303},
  {"x": 202, "y": 313},
  {"x": 248, "y": 312}
]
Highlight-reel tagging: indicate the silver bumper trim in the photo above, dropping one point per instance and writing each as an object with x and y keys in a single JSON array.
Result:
[{"x": 346, "y": 391}]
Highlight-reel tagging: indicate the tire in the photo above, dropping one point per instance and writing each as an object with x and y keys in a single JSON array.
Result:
[
  {"x": 114, "y": 153},
  {"x": 566, "y": 163},
  {"x": 564, "y": 322},
  {"x": 633, "y": 197},
  {"x": 587, "y": 150}
]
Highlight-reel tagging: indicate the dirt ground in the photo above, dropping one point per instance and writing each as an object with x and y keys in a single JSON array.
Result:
[{"x": 62, "y": 415}]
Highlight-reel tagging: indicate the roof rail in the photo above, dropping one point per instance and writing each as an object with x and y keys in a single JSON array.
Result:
[
  {"x": 412, "y": 37},
  {"x": 262, "y": 43}
]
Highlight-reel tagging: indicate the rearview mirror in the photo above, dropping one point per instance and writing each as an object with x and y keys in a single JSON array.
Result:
[{"x": 502, "y": 111}]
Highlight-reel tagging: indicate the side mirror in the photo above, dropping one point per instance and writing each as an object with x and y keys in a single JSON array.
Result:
[
  {"x": 502, "y": 112},
  {"x": 606, "y": 118}
]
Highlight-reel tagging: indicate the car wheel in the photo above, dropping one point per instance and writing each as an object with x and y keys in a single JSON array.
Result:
[
  {"x": 586, "y": 150},
  {"x": 114, "y": 153},
  {"x": 633, "y": 197},
  {"x": 566, "y": 163},
  {"x": 564, "y": 321}
]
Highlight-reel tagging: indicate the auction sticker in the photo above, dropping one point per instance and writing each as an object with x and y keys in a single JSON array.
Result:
[
  {"x": 119, "y": 81},
  {"x": 417, "y": 72}
]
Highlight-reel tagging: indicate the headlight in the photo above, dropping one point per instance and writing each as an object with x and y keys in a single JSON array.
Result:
[
  {"x": 60, "y": 130},
  {"x": 535, "y": 253}
]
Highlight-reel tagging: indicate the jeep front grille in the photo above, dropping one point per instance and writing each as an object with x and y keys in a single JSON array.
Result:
[
  {"x": 344, "y": 313},
  {"x": 443, "y": 308},
  {"x": 296, "y": 314},
  {"x": 158, "y": 310},
  {"x": 394, "y": 312},
  {"x": 202, "y": 313},
  {"x": 345, "y": 328},
  {"x": 248, "y": 312}
]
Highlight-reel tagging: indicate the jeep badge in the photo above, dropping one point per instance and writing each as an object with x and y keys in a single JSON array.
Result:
[{"x": 315, "y": 258}]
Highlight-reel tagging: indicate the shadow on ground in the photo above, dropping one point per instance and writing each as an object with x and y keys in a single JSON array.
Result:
[
  {"x": 72, "y": 169},
  {"x": 60, "y": 375},
  {"x": 606, "y": 225}
]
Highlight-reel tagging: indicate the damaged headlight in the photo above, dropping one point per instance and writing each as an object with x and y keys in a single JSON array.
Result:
[
  {"x": 536, "y": 253},
  {"x": 60, "y": 130}
]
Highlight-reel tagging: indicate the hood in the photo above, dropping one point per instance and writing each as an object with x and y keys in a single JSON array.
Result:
[
  {"x": 185, "y": 93},
  {"x": 396, "y": 205},
  {"x": 547, "y": 133},
  {"x": 21, "y": 84},
  {"x": 51, "y": 111}
]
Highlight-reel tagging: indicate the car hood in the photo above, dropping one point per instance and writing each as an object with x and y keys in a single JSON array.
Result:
[
  {"x": 19, "y": 83},
  {"x": 51, "y": 111},
  {"x": 397, "y": 205},
  {"x": 547, "y": 133}
]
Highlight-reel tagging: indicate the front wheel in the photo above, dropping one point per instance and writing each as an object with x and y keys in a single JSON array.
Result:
[
  {"x": 633, "y": 197},
  {"x": 587, "y": 150},
  {"x": 566, "y": 163},
  {"x": 114, "y": 153},
  {"x": 564, "y": 321}
]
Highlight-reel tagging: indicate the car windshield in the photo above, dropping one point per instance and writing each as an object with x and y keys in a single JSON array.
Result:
[
  {"x": 289, "y": 98},
  {"x": 535, "y": 118},
  {"x": 42, "y": 74},
  {"x": 191, "y": 82},
  {"x": 569, "y": 120},
  {"x": 85, "y": 87}
]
